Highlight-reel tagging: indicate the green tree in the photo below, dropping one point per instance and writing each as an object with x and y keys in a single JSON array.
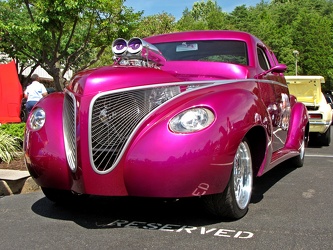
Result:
[
  {"x": 312, "y": 37},
  {"x": 188, "y": 22},
  {"x": 155, "y": 24},
  {"x": 240, "y": 19},
  {"x": 204, "y": 15},
  {"x": 285, "y": 26},
  {"x": 60, "y": 35}
]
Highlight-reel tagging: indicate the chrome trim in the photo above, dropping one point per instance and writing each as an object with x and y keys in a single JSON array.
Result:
[
  {"x": 69, "y": 127},
  {"x": 319, "y": 123}
]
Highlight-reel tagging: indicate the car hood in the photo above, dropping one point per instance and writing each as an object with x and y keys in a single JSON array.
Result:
[
  {"x": 93, "y": 81},
  {"x": 307, "y": 89},
  {"x": 118, "y": 77}
]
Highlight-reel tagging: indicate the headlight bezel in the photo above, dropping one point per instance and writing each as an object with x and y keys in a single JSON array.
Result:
[
  {"x": 37, "y": 119},
  {"x": 192, "y": 120}
]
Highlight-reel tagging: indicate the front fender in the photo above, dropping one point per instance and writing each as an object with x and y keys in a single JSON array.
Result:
[
  {"x": 162, "y": 163},
  {"x": 44, "y": 149},
  {"x": 298, "y": 127}
]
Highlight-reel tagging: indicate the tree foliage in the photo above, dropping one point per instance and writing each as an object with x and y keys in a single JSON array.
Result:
[
  {"x": 64, "y": 34},
  {"x": 60, "y": 35},
  {"x": 203, "y": 16},
  {"x": 155, "y": 24}
]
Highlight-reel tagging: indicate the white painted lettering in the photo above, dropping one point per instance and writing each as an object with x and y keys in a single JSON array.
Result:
[
  {"x": 204, "y": 231},
  {"x": 201, "y": 189},
  {"x": 152, "y": 226},
  {"x": 243, "y": 235},
  {"x": 169, "y": 227},
  {"x": 238, "y": 234},
  {"x": 188, "y": 229},
  {"x": 228, "y": 233},
  {"x": 197, "y": 192},
  {"x": 118, "y": 223},
  {"x": 204, "y": 186},
  {"x": 224, "y": 232},
  {"x": 135, "y": 224}
]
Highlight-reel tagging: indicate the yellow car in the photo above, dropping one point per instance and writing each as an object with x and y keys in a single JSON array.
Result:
[{"x": 307, "y": 89}]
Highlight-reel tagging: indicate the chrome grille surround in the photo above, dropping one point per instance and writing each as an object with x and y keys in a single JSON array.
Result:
[
  {"x": 69, "y": 127},
  {"x": 115, "y": 115}
]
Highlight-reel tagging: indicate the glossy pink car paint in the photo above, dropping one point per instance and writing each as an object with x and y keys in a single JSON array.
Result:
[{"x": 156, "y": 162}]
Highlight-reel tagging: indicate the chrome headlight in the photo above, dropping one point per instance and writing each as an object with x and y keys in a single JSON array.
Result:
[
  {"x": 192, "y": 120},
  {"x": 161, "y": 95},
  {"x": 37, "y": 119}
]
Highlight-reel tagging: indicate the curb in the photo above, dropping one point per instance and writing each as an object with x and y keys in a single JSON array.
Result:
[{"x": 16, "y": 182}]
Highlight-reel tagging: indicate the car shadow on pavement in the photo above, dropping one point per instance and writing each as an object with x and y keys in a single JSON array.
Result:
[
  {"x": 268, "y": 180},
  {"x": 113, "y": 212},
  {"x": 103, "y": 212}
]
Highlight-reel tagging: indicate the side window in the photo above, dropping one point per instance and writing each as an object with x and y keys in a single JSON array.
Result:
[{"x": 263, "y": 60}]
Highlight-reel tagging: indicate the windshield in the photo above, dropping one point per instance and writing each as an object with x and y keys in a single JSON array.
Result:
[{"x": 209, "y": 51}]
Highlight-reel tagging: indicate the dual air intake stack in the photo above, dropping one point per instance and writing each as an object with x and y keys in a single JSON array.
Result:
[{"x": 137, "y": 52}]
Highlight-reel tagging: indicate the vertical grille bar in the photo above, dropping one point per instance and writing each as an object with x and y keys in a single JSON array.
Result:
[{"x": 69, "y": 118}]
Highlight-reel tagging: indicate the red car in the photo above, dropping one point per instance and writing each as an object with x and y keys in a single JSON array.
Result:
[{"x": 187, "y": 114}]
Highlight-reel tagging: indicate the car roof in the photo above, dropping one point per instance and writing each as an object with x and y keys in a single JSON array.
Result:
[
  {"x": 204, "y": 35},
  {"x": 210, "y": 35}
]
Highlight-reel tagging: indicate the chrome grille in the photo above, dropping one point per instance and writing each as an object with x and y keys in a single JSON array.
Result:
[
  {"x": 115, "y": 116},
  {"x": 69, "y": 117}
]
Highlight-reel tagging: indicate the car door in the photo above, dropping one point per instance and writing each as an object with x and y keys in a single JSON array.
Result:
[{"x": 275, "y": 95}]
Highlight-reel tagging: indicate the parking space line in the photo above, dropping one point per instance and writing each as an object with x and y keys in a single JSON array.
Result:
[{"x": 320, "y": 156}]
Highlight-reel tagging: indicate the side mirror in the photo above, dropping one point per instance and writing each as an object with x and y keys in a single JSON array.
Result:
[{"x": 280, "y": 68}]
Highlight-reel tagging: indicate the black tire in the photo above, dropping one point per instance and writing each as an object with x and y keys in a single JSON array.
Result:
[
  {"x": 63, "y": 196},
  {"x": 23, "y": 115},
  {"x": 326, "y": 137},
  {"x": 234, "y": 201}
]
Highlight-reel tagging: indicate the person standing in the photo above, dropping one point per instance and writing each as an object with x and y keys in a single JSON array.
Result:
[{"x": 34, "y": 92}]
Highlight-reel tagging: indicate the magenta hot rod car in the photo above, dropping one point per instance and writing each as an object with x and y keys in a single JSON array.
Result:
[{"x": 187, "y": 114}]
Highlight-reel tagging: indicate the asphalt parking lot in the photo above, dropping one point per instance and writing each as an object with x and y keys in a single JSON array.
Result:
[{"x": 290, "y": 209}]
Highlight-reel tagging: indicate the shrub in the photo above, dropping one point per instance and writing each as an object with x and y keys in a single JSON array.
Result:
[
  {"x": 10, "y": 147},
  {"x": 14, "y": 129}
]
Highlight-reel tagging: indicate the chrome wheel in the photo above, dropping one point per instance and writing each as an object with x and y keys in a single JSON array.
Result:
[
  {"x": 243, "y": 175},
  {"x": 298, "y": 160},
  {"x": 302, "y": 150},
  {"x": 233, "y": 202}
]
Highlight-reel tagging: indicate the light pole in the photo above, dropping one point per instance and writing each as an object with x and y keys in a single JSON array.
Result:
[{"x": 296, "y": 54}]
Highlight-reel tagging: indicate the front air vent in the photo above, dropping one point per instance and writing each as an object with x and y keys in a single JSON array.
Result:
[{"x": 69, "y": 117}]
